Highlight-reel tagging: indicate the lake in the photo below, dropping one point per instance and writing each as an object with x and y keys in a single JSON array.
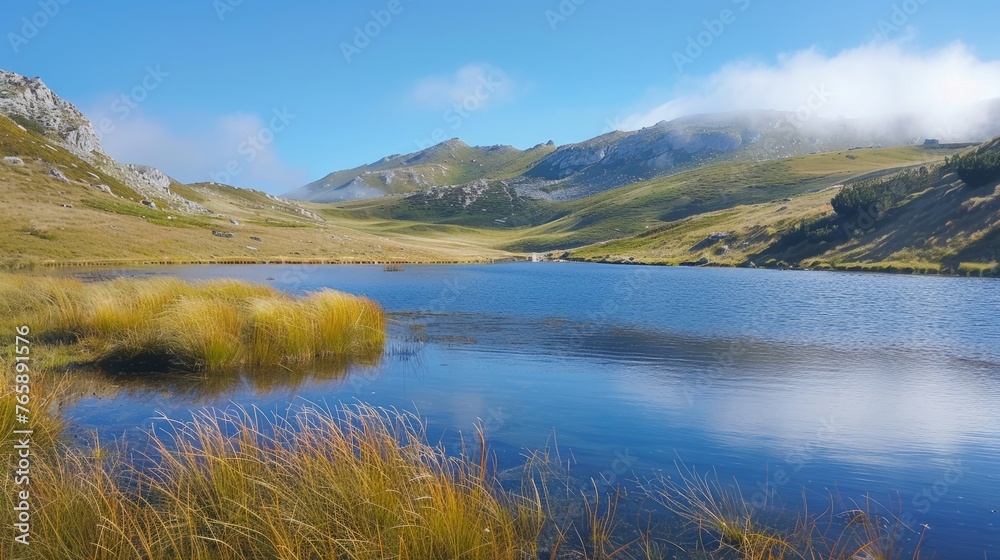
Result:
[{"x": 791, "y": 383}]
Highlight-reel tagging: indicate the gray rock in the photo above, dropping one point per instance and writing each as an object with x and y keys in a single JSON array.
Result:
[
  {"x": 234, "y": 222},
  {"x": 150, "y": 176},
  {"x": 310, "y": 215},
  {"x": 251, "y": 248},
  {"x": 13, "y": 160},
  {"x": 103, "y": 188},
  {"x": 224, "y": 234},
  {"x": 58, "y": 174},
  {"x": 84, "y": 140},
  {"x": 257, "y": 239},
  {"x": 149, "y": 203}
]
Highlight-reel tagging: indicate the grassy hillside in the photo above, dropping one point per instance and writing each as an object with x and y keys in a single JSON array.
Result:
[
  {"x": 524, "y": 224},
  {"x": 936, "y": 222},
  {"x": 637, "y": 208},
  {"x": 481, "y": 204},
  {"x": 32, "y": 146},
  {"x": 46, "y": 220}
]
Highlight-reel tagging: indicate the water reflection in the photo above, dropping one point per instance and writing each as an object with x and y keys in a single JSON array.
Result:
[
  {"x": 201, "y": 388},
  {"x": 845, "y": 383}
]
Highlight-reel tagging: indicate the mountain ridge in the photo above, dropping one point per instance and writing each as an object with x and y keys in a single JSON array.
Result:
[
  {"x": 618, "y": 158},
  {"x": 451, "y": 162}
]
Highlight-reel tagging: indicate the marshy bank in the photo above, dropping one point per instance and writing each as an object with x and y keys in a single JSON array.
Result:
[{"x": 165, "y": 324}]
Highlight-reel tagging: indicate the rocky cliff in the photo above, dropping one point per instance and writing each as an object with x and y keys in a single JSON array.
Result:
[
  {"x": 31, "y": 104},
  {"x": 31, "y": 99}
]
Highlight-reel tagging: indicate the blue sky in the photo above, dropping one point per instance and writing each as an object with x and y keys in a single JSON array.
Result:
[{"x": 263, "y": 94}]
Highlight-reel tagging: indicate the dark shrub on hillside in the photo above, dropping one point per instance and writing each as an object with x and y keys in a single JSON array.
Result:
[
  {"x": 858, "y": 198},
  {"x": 827, "y": 229},
  {"x": 874, "y": 196},
  {"x": 977, "y": 169},
  {"x": 29, "y": 124}
]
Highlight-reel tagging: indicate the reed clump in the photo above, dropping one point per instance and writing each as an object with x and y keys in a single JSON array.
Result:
[
  {"x": 356, "y": 482},
  {"x": 725, "y": 524},
  {"x": 165, "y": 323}
]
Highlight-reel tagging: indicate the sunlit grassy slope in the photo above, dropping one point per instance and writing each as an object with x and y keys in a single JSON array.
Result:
[
  {"x": 520, "y": 224},
  {"x": 947, "y": 226},
  {"x": 47, "y": 220}
]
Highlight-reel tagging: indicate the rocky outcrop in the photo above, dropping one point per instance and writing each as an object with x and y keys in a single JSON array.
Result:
[
  {"x": 149, "y": 175},
  {"x": 311, "y": 215},
  {"x": 32, "y": 99},
  {"x": 83, "y": 140},
  {"x": 619, "y": 158},
  {"x": 148, "y": 182}
]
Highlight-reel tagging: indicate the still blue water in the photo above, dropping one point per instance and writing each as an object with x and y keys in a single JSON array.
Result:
[{"x": 790, "y": 383}]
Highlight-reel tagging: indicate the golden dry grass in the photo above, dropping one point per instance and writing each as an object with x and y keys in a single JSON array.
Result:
[
  {"x": 166, "y": 323},
  {"x": 354, "y": 482}
]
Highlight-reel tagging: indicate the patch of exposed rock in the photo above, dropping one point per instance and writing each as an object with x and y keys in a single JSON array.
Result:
[{"x": 150, "y": 183}]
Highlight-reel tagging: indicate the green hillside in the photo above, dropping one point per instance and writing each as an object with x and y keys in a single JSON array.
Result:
[
  {"x": 926, "y": 220},
  {"x": 45, "y": 219},
  {"x": 31, "y": 144},
  {"x": 535, "y": 225}
]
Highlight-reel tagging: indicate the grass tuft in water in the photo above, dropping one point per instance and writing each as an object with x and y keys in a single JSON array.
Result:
[
  {"x": 164, "y": 323},
  {"x": 355, "y": 482},
  {"x": 727, "y": 525}
]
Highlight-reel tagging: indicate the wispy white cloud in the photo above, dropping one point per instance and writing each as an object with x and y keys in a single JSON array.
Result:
[
  {"x": 238, "y": 149},
  {"x": 481, "y": 84},
  {"x": 940, "y": 88}
]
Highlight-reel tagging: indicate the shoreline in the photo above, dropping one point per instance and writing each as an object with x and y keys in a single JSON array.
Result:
[
  {"x": 110, "y": 263},
  {"x": 869, "y": 268}
]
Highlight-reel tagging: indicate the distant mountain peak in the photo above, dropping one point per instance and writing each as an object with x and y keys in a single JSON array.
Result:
[{"x": 452, "y": 162}]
